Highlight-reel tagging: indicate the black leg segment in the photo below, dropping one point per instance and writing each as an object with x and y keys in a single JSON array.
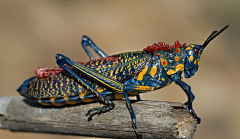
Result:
[{"x": 187, "y": 89}]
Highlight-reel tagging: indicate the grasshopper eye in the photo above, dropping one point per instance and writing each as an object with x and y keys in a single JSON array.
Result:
[{"x": 196, "y": 50}]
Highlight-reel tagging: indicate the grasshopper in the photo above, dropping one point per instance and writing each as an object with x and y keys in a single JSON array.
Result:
[{"x": 117, "y": 76}]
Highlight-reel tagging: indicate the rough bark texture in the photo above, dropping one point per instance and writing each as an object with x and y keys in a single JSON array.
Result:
[{"x": 154, "y": 119}]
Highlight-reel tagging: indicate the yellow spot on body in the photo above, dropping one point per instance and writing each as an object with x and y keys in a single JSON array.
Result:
[
  {"x": 163, "y": 79},
  {"x": 82, "y": 94},
  {"x": 65, "y": 98},
  {"x": 57, "y": 104},
  {"x": 164, "y": 62},
  {"x": 195, "y": 61},
  {"x": 116, "y": 72},
  {"x": 142, "y": 73},
  {"x": 188, "y": 48},
  {"x": 179, "y": 67},
  {"x": 177, "y": 58},
  {"x": 121, "y": 69},
  {"x": 153, "y": 71},
  {"x": 99, "y": 90},
  {"x": 198, "y": 62},
  {"x": 147, "y": 88},
  {"x": 170, "y": 72},
  {"x": 192, "y": 45},
  {"x": 168, "y": 84},
  {"x": 45, "y": 104},
  {"x": 71, "y": 102},
  {"x": 111, "y": 73},
  {"x": 178, "y": 50},
  {"x": 52, "y": 99},
  {"x": 87, "y": 100},
  {"x": 191, "y": 58},
  {"x": 109, "y": 66},
  {"x": 119, "y": 96}
]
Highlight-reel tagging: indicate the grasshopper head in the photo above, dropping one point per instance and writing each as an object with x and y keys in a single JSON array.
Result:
[
  {"x": 192, "y": 59},
  {"x": 193, "y": 53}
]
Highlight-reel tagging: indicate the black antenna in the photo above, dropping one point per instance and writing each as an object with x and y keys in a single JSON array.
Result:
[{"x": 213, "y": 35}]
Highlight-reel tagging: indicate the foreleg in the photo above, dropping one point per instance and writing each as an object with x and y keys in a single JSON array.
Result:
[
  {"x": 86, "y": 41},
  {"x": 187, "y": 89}
]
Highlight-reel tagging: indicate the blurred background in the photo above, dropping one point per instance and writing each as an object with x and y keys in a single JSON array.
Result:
[{"x": 33, "y": 32}]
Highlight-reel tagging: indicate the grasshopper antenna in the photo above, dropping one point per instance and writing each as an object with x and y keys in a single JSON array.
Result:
[{"x": 213, "y": 35}]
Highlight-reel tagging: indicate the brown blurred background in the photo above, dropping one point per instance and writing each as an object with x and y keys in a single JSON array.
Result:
[{"x": 32, "y": 32}]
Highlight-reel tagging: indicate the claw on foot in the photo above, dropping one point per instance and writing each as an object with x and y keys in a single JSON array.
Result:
[
  {"x": 192, "y": 112},
  {"x": 134, "y": 125},
  {"x": 100, "y": 110}
]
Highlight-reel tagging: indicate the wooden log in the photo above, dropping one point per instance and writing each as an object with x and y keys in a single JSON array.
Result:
[{"x": 154, "y": 119}]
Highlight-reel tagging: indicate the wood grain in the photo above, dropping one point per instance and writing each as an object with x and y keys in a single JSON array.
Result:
[{"x": 154, "y": 119}]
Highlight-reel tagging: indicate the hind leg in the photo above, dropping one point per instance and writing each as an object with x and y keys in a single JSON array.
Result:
[
  {"x": 86, "y": 41},
  {"x": 62, "y": 61}
]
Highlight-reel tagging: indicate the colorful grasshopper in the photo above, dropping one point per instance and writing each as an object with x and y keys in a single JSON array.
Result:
[{"x": 117, "y": 76}]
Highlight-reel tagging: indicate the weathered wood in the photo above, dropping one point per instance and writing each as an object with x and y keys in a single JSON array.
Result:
[{"x": 154, "y": 119}]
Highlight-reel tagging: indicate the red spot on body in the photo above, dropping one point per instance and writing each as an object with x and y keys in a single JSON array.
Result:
[
  {"x": 177, "y": 44},
  {"x": 164, "y": 48},
  {"x": 184, "y": 45},
  {"x": 149, "y": 48},
  {"x": 154, "y": 48},
  {"x": 160, "y": 43},
  {"x": 46, "y": 72},
  {"x": 155, "y": 44},
  {"x": 164, "y": 62},
  {"x": 178, "y": 50},
  {"x": 177, "y": 58}
]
